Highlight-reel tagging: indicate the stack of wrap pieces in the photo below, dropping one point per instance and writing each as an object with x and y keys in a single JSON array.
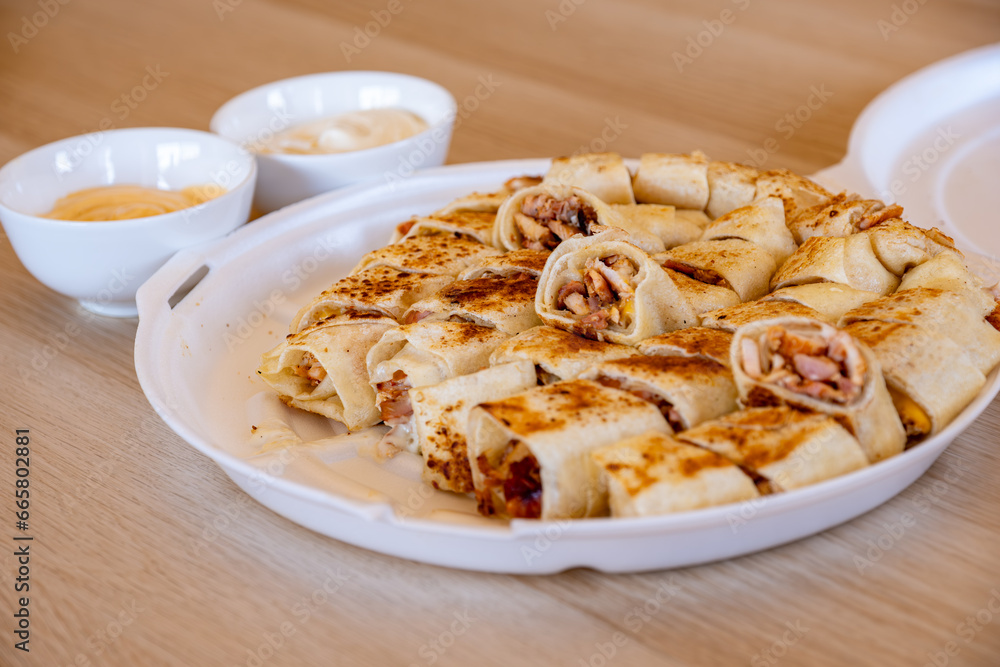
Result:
[{"x": 603, "y": 340}]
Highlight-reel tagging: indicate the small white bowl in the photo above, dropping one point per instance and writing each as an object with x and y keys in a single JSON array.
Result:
[
  {"x": 253, "y": 117},
  {"x": 101, "y": 264}
]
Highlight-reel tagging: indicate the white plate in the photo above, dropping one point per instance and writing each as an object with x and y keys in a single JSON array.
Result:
[{"x": 196, "y": 364}]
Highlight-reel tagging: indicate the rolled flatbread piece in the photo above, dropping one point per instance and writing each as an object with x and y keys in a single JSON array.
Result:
[
  {"x": 322, "y": 368},
  {"x": 605, "y": 288},
  {"x": 417, "y": 355},
  {"x": 469, "y": 225},
  {"x": 673, "y": 179},
  {"x": 730, "y": 186},
  {"x": 831, "y": 300},
  {"x": 842, "y": 216},
  {"x": 530, "y": 453},
  {"x": 812, "y": 365},
  {"x": 439, "y": 255},
  {"x": 700, "y": 297},
  {"x": 761, "y": 223},
  {"x": 780, "y": 447},
  {"x": 542, "y": 217},
  {"x": 556, "y": 354},
  {"x": 381, "y": 291},
  {"x": 849, "y": 261},
  {"x": 506, "y": 304},
  {"x": 947, "y": 271},
  {"x": 900, "y": 246},
  {"x": 602, "y": 174},
  {"x": 441, "y": 417},
  {"x": 691, "y": 342},
  {"x": 672, "y": 227},
  {"x": 739, "y": 265},
  {"x": 653, "y": 474},
  {"x": 947, "y": 313},
  {"x": 797, "y": 193},
  {"x": 687, "y": 390},
  {"x": 731, "y": 319},
  {"x": 508, "y": 265},
  {"x": 930, "y": 378},
  {"x": 489, "y": 202}
]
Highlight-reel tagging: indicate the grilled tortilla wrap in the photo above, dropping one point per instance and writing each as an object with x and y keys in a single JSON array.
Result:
[
  {"x": 687, "y": 390},
  {"x": 530, "y": 453},
  {"x": 602, "y": 174},
  {"x": 782, "y": 448},
  {"x": 930, "y": 378},
  {"x": 731, "y": 319},
  {"x": 671, "y": 226},
  {"x": 831, "y": 300},
  {"x": 730, "y": 186},
  {"x": 489, "y": 202},
  {"x": 691, "y": 342},
  {"x": 811, "y": 365},
  {"x": 947, "y": 271},
  {"x": 439, "y": 255},
  {"x": 947, "y": 313},
  {"x": 506, "y": 304},
  {"x": 417, "y": 355},
  {"x": 796, "y": 193},
  {"x": 542, "y": 217},
  {"x": 382, "y": 291},
  {"x": 556, "y": 354},
  {"x": 900, "y": 246},
  {"x": 508, "y": 265},
  {"x": 761, "y": 223},
  {"x": 470, "y": 225},
  {"x": 605, "y": 288},
  {"x": 652, "y": 474},
  {"x": 441, "y": 416},
  {"x": 846, "y": 260},
  {"x": 842, "y": 216},
  {"x": 736, "y": 264},
  {"x": 673, "y": 179},
  {"x": 322, "y": 368}
]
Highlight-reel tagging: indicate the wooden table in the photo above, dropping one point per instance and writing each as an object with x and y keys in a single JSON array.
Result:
[{"x": 119, "y": 499}]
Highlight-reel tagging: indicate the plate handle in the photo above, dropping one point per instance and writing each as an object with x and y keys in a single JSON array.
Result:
[{"x": 171, "y": 282}]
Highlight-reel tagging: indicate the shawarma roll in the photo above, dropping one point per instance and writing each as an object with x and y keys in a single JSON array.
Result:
[
  {"x": 811, "y": 365},
  {"x": 489, "y": 202},
  {"x": 700, "y": 297},
  {"x": 556, "y": 354},
  {"x": 947, "y": 271},
  {"x": 687, "y": 390},
  {"x": 674, "y": 179},
  {"x": 381, "y": 291},
  {"x": 605, "y": 288},
  {"x": 846, "y": 260},
  {"x": 831, "y": 300},
  {"x": 602, "y": 174},
  {"x": 947, "y": 313},
  {"x": 441, "y": 255},
  {"x": 730, "y": 186},
  {"x": 761, "y": 223},
  {"x": 781, "y": 447},
  {"x": 700, "y": 342},
  {"x": 508, "y": 265},
  {"x": 842, "y": 216},
  {"x": 930, "y": 378},
  {"x": 671, "y": 226},
  {"x": 542, "y": 217},
  {"x": 441, "y": 418},
  {"x": 901, "y": 246},
  {"x": 322, "y": 368},
  {"x": 506, "y": 304},
  {"x": 739, "y": 265},
  {"x": 796, "y": 192},
  {"x": 530, "y": 453},
  {"x": 731, "y": 319},
  {"x": 469, "y": 225},
  {"x": 653, "y": 474},
  {"x": 421, "y": 354}
]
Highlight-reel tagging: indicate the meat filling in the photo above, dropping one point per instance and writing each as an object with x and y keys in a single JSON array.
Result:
[
  {"x": 545, "y": 222},
  {"x": 604, "y": 297},
  {"x": 310, "y": 369},
  {"x": 994, "y": 317},
  {"x": 394, "y": 399},
  {"x": 666, "y": 408},
  {"x": 706, "y": 276},
  {"x": 518, "y": 476},
  {"x": 822, "y": 363}
]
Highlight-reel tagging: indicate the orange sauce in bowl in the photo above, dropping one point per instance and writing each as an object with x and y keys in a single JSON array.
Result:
[{"x": 127, "y": 202}]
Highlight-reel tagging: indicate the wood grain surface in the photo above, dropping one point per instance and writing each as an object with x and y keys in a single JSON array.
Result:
[{"x": 121, "y": 572}]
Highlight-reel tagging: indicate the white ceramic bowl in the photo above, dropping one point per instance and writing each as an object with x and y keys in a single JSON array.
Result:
[
  {"x": 253, "y": 117},
  {"x": 103, "y": 263}
]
